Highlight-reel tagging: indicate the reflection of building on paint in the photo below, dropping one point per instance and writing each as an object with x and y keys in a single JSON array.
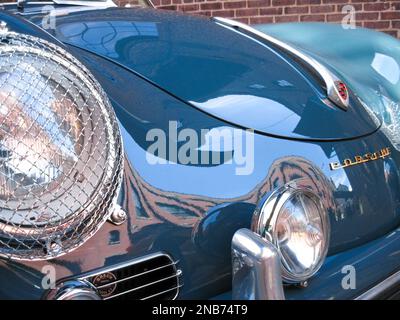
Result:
[
  {"x": 101, "y": 36},
  {"x": 148, "y": 206}
]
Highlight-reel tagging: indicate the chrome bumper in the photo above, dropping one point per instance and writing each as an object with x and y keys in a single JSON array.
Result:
[
  {"x": 379, "y": 290},
  {"x": 256, "y": 269}
]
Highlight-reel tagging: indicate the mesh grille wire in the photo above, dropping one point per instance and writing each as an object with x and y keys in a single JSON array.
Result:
[{"x": 60, "y": 150}]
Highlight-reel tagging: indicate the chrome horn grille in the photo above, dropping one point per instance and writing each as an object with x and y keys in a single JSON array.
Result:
[{"x": 60, "y": 150}]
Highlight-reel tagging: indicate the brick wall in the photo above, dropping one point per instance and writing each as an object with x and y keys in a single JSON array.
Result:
[{"x": 375, "y": 14}]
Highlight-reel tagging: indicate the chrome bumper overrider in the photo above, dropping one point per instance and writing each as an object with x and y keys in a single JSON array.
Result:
[
  {"x": 256, "y": 271},
  {"x": 256, "y": 268}
]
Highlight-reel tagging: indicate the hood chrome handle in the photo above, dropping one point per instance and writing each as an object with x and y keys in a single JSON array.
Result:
[{"x": 335, "y": 88}]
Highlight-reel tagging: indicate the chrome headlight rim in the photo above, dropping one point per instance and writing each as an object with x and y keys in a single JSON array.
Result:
[
  {"x": 67, "y": 234},
  {"x": 265, "y": 220}
]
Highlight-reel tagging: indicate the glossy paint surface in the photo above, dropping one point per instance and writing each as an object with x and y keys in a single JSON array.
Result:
[
  {"x": 218, "y": 70},
  {"x": 370, "y": 65},
  {"x": 191, "y": 211}
]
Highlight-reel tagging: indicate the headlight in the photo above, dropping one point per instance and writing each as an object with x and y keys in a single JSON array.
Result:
[
  {"x": 60, "y": 150},
  {"x": 295, "y": 221},
  {"x": 391, "y": 121}
]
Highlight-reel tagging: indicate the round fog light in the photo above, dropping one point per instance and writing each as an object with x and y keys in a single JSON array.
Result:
[{"x": 295, "y": 221}]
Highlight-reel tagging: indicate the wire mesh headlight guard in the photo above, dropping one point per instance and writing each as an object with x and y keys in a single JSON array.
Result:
[{"x": 60, "y": 150}]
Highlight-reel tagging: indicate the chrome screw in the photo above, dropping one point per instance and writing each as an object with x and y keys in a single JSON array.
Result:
[
  {"x": 53, "y": 247},
  {"x": 118, "y": 216}
]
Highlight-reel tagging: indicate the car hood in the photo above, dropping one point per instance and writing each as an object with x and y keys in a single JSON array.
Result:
[
  {"x": 370, "y": 65},
  {"x": 226, "y": 74}
]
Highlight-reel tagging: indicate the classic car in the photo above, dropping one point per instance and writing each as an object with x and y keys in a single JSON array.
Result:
[{"x": 149, "y": 154}]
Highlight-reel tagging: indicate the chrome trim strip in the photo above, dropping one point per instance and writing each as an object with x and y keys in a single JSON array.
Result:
[
  {"x": 125, "y": 264},
  {"x": 135, "y": 276},
  {"x": 151, "y": 4},
  {"x": 381, "y": 287},
  {"x": 157, "y": 294},
  {"x": 256, "y": 269},
  {"x": 329, "y": 78},
  {"x": 177, "y": 275}
]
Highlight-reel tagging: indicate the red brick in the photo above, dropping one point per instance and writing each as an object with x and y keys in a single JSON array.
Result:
[
  {"x": 176, "y": 1},
  {"x": 367, "y": 15},
  {"x": 335, "y": 1},
  {"x": 166, "y": 2},
  {"x": 247, "y": 12},
  {"x": 189, "y": 7},
  {"x": 300, "y": 2},
  {"x": 270, "y": 11},
  {"x": 296, "y": 10},
  {"x": 276, "y": 3},
  {"x": 312, "y": 17},
  {"x": 211, "y": 6},
  {"x": 393, "y": 33},
  {"x": 376, "y": 24},
  {"x": 322, "y": 9},
  {"x": 224, "y": 13},
  {"x": 282, "y": 19},
  {"x": 379, "y": 6},
  {"x": 258, "y": 20},
  {"x": 206, "y": 13},
  {"x": 234, "y": 4},
  {"x": 390, "y": 15},
  {"x": 258, "y": 3},
  {"x": 243, "y": 20},
  {"x": 337, "y": 17},
  {"x": 168, "y": 7},
  {"x": 396, "y": 24},
  {"x": 356, "y": 6}
]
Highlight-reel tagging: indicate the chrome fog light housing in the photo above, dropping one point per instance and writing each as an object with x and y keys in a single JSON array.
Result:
[
  {"x": 60, "y": 150},
  {"x": 295, "y": 221}
]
